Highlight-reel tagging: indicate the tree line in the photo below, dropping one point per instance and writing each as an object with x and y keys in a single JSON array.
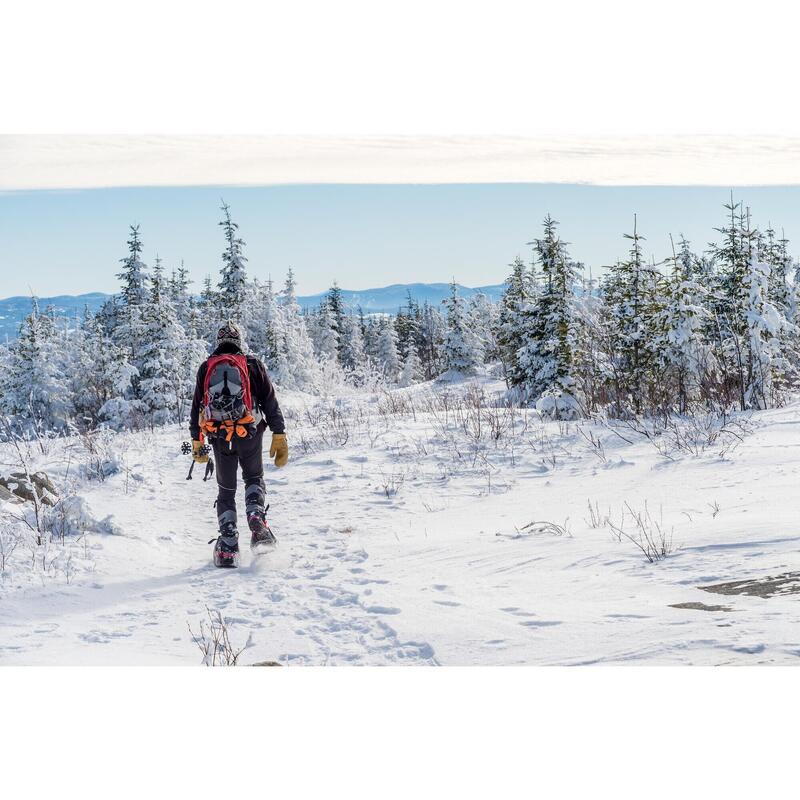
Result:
[{"x": 694, "y": 332}]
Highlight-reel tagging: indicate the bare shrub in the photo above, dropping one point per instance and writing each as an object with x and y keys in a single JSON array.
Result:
[
  {"x": 395, "y": 404},
  {"x": 595, "y": 519},
  {"x": 595, "y": 443},
  {"x": 540, "y": 527},
  {"x": 10, "y": 539},
  {"x": 214, "y": 642},
  {"x": 100, "y": 460},
  {"x": 393, "y": 482},
  {"x": 648, "y": 534},
  {"x": 672, "y": 435}
]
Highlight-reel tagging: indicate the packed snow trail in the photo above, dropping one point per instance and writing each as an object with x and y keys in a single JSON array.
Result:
[
  {"x": 390, "y": 555},
  {"x": 159, "y": 580}
]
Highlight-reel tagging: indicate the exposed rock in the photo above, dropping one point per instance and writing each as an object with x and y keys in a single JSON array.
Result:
[
  {"x": 17, "y": 483},
  {"x": 266, "y": 664},
  {"x": 695, "y": 606},
  {"x": 8, "y": 497},
  {"x": 787, "y": 583}
]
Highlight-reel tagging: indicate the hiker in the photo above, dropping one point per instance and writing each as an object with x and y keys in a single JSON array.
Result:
[{"x": 234, "y": 402}]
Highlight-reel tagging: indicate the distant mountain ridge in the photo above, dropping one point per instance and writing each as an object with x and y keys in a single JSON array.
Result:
[{"x": 382, "y": 300}]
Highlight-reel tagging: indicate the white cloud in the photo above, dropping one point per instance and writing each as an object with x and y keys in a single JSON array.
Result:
[{"x": 76, "y": 161}]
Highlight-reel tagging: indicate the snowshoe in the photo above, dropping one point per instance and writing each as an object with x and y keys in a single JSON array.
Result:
[
  {"x": 261, "y": 537},
  {"x": 226, "y": 548}
]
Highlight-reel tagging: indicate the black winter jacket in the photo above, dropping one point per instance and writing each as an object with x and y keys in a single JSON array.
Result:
[{"x": 260, "y": 387}]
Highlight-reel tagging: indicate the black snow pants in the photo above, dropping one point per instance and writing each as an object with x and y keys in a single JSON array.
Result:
[{"x": 229, "y": 456}]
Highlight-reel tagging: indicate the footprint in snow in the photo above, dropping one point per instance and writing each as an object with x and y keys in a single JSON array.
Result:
[
  {"x": 383, "y": 610},
  {"x": 540, "y": 623}
]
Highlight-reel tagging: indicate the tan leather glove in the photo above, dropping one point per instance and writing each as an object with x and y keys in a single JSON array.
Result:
[
  {"x": 197, "y": 453},
  {"x": 279, "y": 449}
]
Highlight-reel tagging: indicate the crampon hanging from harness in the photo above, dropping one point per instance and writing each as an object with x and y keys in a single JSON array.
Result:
[{"x": 227, "y": 401}]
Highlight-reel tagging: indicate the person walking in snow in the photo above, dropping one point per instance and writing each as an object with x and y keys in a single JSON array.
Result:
[{"x": 234, "y": 402}]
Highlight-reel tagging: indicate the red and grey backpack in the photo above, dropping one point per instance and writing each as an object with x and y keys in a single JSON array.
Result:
[{"x": 227, "y": 400}]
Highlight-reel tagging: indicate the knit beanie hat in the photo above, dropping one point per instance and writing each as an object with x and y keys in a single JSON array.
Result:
[{"x": 229, "y": 333}]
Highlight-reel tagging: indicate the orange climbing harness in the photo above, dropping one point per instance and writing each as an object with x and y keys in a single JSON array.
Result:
[{"x": 230, "y": 427}]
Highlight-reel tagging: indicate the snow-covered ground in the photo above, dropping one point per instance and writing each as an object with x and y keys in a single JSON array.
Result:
[{"x": 402, "y": 527}]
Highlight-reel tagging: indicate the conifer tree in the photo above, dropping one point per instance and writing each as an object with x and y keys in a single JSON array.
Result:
[
  {"x": 463, "y": 351},
  {"x": 299, "y": 368},
  {"x": 683, "y": 320},
  {"x": 387, "y": 355},
  {"x": 630, "y": 314},
  {"x": 411, "y": 372},
  {"x": 431, "y": 331},
  {"x": 233, "y": 275},
  {"x": 483, "y": 315},
  {"x": 322, "y": 327},
  {"x": 518, "y": 294},
  {"x": 352, "y": 351},
  {"x": 545, "y": 360},
  {"x": 36, "y": 388},
  {"x": 134, "y": 273},
  {"x": 336, "y": 314},
  {"x": 162, "y": 383},
  {"x": 129, "y": 331}
]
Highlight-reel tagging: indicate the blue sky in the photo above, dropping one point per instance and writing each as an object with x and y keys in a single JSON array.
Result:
[{"x": 70, "y": 241}]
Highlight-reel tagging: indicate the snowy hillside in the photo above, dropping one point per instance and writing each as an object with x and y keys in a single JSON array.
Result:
[{"x": 406, "y": 537}]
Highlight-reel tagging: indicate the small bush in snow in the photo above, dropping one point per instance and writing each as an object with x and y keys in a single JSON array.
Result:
[{"x": 647, "y": 533}]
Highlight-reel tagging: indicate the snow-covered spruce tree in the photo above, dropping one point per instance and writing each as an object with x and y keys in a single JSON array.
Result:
[
  {"x": 133, "y": 277},
  {"x": 545, "y": 357},
  {"x": 463, "y": 350},
  {"x": 208, "y": 296},
  {"x": 775, "y": 252},
  {"x": 681, "y": 323},
  {"x": 431, "y": 330},
  {"x": 233, "y": 275},
  {"x": 769, "y": 371},
  {"x": 387, "y": 355},
  {"x": 630, "y": 319},
  {"x": 36, "y": 389},
  {"x": 179, "y": 294},
  {"x": 352, "y": 352},
  {"x": 371, "y": 338},
  {"x": 299, "y": 368},
  {"x": 749, "y": 326},
  {"x": 483, "y": 314},
  {"x": 103, "y": 377},
  {"x": 129, "y": 330},
  {"x": 336, "y": 310},
  {"x": 405, "y": 323},
  {"x": 729, "y": 303},
  {"x": 322, "y": 328},
  {"x": 411, "y": 371},
  {"x": 518, "y": 295},
  {"x": 261, "y": 321},
  {"x": 162, "y": 383},
  {"x": 588, "y": 356}
]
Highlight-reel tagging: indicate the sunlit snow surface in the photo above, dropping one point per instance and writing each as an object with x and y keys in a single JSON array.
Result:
[{"x": 402, "y": 542}]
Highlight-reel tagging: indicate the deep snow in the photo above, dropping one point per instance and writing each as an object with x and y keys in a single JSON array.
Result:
[{"x": 402, "y": 541}]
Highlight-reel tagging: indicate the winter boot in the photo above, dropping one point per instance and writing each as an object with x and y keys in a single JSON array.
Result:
[
  {"x": 226, "y": 545},
  {"x": 260, "y": 534}
]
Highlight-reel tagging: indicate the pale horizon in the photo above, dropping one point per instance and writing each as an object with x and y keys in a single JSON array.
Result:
[{"x": 50, "y": 161}]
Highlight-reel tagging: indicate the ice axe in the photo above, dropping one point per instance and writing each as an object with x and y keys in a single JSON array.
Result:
[{"x": 186, "y": 449}]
